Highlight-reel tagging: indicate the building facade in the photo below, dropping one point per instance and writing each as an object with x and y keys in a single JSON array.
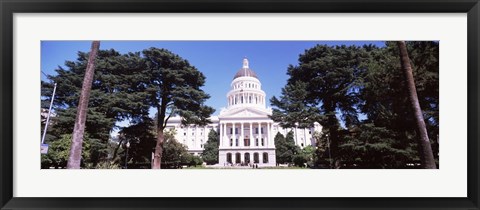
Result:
[{"x": 246, "y": 132}]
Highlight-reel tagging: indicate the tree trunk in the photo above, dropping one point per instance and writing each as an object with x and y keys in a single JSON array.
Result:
[
  {"x": 157, "y": 158},
  {"x": 161, "y": 110},
  {"x": 75, "y": 157},
  {"x": 115, "y": 152},
  {"x": 426, "y": 154}
]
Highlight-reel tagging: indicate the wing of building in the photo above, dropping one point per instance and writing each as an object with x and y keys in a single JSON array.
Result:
[{"x": 246, "y": 132}]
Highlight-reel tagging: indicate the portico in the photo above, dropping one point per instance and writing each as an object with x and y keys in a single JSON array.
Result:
[{"x": 245, "y": 128}]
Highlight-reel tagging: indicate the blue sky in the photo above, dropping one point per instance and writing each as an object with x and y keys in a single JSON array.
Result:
[{"x": 218, "y": 60}]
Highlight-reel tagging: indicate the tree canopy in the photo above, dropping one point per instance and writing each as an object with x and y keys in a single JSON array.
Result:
[
  {"x": 357, "y": 94},
  {"x": 126, "y": 87}
]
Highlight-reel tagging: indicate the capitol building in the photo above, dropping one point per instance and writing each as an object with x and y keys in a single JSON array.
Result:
[{"x": 246, "y": 133}]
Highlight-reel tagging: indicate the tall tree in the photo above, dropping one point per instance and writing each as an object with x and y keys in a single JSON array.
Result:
[
  {"x": 285, "y": 148},
  {"x": 426, "y": 154},
  {"x": 210, "y": 149},
  {"x": 173, "y": 88},
  {"x": 322, "y": 86},
  {"x": 385, "y": 103},
  {"x": 75, "y": 156},
  {"x": 117, "y": 94}
]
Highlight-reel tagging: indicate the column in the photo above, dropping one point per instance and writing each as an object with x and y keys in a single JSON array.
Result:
[
  {"x": 268, "y": 135},
  {"x": 221, "y": 135},
  {"x": 225, "y": 136},
  {"x": 242, "y": 136},
  {"x": 260, "y": 158},
  {"x": 205, "y": 134},
  {"x": 233, "y": 135},
  {"x": 188, "y": 135},
  {"x": 305, "y": 136},
  {"x": 251, "y": 136},
  {"x": 295, "y": 136},
  {"x": 259, "y": 134},
  {"x": 195, "y": 134}
]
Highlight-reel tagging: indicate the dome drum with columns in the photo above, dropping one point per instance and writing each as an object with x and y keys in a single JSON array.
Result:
[{"x": 246, "y": 133}]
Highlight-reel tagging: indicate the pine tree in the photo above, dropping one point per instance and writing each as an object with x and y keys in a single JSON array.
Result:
[
  {"x": 173, "y": 88},
  {"x": 285, "y": 148},
  {"x": 210, "y": 151},
  {"x": 116, "y": 95},
  {"x": 323, "y": 84}
]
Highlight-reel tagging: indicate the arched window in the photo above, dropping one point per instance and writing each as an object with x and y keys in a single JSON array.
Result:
[
  {"x": 229, "y": 157},
  {"x": 265, "y": 157},
  {"x": 255, "y": 158},
  {"x": 247, "y": 157},
  {"x": 238, "y": 157}
]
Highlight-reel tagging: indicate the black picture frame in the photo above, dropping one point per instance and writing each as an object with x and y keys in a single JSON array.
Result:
[{"x": 10, "y": 7}]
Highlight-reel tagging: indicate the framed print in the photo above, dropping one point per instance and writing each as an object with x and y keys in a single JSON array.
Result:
[{"x": 248, "y": 65}]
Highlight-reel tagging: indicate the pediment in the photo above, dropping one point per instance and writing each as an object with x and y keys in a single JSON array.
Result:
[{"x": 246, "y": 112}]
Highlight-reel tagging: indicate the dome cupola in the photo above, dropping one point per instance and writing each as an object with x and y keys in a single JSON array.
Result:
[
  {"x": 246, "y": 89},
  {"x": 245, "y": 71}
]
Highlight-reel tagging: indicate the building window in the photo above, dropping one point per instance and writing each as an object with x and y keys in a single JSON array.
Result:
[
  {"x": 231, "y": 142},
  {"x": 246, "y": 142},
  {"x": 256, "y": 142},
  {"x": 184, "y": 134},
  {"x": 229, "y": 157},
  {"x": 255, "y": 158},
  {"x": 256, "y": 130},
  {"x": 238, "y": 157},
  {"x": 301, "y": 144},
  {"x": 265, "y": 157},
  {"x": 236, "y": 142},
  {"x": 262, "y": 130},
  {"x": 231, "y": 130},
  {"x": 247, "y": 157},
  {"x": 263, "y": 143}
]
